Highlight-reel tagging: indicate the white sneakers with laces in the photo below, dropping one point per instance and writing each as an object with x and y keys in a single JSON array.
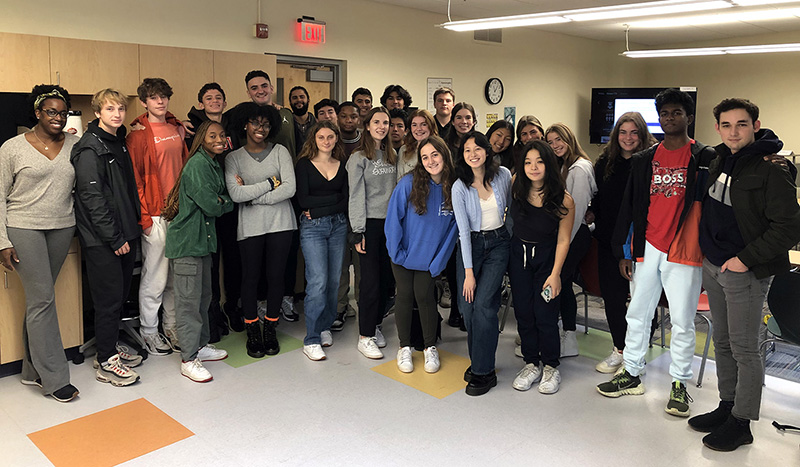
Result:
[
  {"x": 156, "y": 344},
  {"x": 404, "y": 360},
  {"x": 314, "y": 352},
  {"x": 431, "y": 359},
  {"x": 209, "y": 353},
  {"x": 368, "y": 348},
  {"x": 612, "y": 363},
  {"x": 115, "y": 372},
  {"x": 551, "y": 380},
  {"x": 529, "y": 374},
  {"x": 195, "y": 371}
]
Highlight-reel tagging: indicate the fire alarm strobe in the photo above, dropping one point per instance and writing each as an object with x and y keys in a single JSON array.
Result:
[{"x": 261, "y": 31}]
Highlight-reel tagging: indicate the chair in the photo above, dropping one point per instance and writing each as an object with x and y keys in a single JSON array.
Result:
[
  {"x": 784, "y": 324},
  {"x": 588, "y": 280},
  {"x": 703, "y": 312}
]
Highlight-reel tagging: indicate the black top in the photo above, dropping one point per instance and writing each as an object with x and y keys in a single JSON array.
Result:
[
  {"x": 606, "y": 203},
  {"x": 321, "y": 197},
  {"x": 533, "y": 224}
]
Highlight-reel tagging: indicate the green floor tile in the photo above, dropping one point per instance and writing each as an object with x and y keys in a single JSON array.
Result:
[
  {"x": 598, "y": 344},
  {"x": 234, "y": 343}
]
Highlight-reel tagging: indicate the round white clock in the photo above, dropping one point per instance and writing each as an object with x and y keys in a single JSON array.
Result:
[{"x": 493, "y": 91}]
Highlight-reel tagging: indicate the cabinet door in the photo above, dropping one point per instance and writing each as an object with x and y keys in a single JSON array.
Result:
[
  {"x": 186, "y": 70},
  {"x": 69, "y": 303},
  {"x": 85, "y": 67},
  {"x": 25, "y": 60},
  {"x": 230, "y": 68}
]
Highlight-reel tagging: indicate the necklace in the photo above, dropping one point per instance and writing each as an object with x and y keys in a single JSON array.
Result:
[{"x": 46, "y": 148}]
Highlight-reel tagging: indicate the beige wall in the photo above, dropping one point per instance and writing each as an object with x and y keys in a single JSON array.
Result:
[{"x": 549, "y": 75}]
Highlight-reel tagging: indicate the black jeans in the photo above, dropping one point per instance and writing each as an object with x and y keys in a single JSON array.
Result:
[
  {"x": 109, "y": 278},
  {"x": 417, "y": 285},
  {"x": 537, "y": 321},
  {"x": 615, "y": 289},
  {"x": 268, "y": 251},
  {"x": 376, "y": 276},
  {"x": 577, "y": 250}
]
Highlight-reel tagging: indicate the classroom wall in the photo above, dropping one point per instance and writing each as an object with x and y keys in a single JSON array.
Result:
[{"x": 549, "y": 75}]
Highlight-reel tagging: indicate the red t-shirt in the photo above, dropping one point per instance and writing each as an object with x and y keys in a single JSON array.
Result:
[
  {"x": 667, "y": 195},
  {"x": 169, "y": 148}
]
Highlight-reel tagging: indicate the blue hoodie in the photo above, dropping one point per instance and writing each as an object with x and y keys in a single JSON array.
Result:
[{"x": 420, "y": 243}]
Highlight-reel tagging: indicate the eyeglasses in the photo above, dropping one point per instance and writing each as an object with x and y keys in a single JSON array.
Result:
[
  {"x": 257, "y": 124},
  {"x": 52, "y": 113}
]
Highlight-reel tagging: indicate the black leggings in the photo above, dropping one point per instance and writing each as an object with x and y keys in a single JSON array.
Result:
[
  {"x": 270, "y": 250},
  {"x": 413, "y": 285},
  {"x": 577, "y": 250}
]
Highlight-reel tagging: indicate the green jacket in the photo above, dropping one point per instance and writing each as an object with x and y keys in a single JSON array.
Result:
[{"x": 201, "y": 199}]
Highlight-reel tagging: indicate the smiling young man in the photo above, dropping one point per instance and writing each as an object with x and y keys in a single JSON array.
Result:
[
  {"x": 211, "y": 104},
  {"x": 750, "y": 220},
  {"x": 661, "y": 208},
  {"x": 398, "y": 127},
  {"x": 158, "y": 153},
  {"x": 327, "y": 109},
  {"x": 363, "y": 99},
  {"x": 443, "y": 101},
  {"x": 303, "y": 120}
]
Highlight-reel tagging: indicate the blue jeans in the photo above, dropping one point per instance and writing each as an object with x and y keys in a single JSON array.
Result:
[
  {"x": 489, "y": 260},
  {"x": 323, "y": 241}
]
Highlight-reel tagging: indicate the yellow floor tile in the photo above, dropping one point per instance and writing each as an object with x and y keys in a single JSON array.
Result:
[{"x": 449, "y": 378}]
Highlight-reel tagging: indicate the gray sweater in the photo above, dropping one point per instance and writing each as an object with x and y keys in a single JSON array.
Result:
[
  {"x": 37, "y": 192},
  {"x": 582, "y": 186},
  {"x": 371, "y": 186},
  {"x": 262, "y": 210}
]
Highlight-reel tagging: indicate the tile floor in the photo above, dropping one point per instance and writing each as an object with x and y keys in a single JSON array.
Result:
[{"x": 288, "y": 410}]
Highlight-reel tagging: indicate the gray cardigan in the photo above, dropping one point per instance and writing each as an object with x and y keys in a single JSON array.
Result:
[
  {"x": 262, "y": 210},
  {"x": 37, "y": 192},
  {"x": 371, "y": 186}
]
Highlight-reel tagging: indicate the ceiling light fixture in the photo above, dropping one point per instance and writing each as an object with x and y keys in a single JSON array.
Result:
[
  {"x": 702, "y": 51},
  {"x": 587, "y": 14},
  {"x": 722, "y": 18}
]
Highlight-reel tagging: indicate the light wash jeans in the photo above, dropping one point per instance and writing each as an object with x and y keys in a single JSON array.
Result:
[
  {"x": 323, "y": 241},
  {"x": 681, "y": 283}
]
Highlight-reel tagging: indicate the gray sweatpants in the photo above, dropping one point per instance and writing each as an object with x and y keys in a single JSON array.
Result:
[
  {"x": 735, "y": 299},
  {"x": 191, "y": 283},
  {"x": 41, "y": 254}
]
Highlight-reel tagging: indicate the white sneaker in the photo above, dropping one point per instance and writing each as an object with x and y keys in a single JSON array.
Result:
[
  {"x": 529, "y": 374},
  {"x": 314, "y": 352},
  {"x": 368, "y": 348},
  {"x": 404, "y": 361},
  {"x": 115, "y": 372},
  {"x": 195, "y": 371},
  {"x": 128, "y": 359},
  {"x": 518, "y": 351},
  {"x": 569, "y": 344},
  {"x": 551, "y": 380},
  {"x": 431, "y": 359},
  {"x": 156, "y": 344},
  {"x": 518, "y": 340},
  {"x": 209, "y": 353},
  {"x": 327, "y": 338},
  {"x": 172, "y": 338},
  {"x": 612, "y": 363},
  {"x": 379, "y": 339}
]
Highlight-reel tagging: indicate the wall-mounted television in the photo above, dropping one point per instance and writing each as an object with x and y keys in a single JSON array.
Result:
[{"x": 608, "y": 104}]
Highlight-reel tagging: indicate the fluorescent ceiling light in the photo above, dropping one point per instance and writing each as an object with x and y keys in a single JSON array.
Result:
[
  {"x": 733, "y": 50},
  {"x": 722, "y": 18},
  {"x": 639, "y": 11},
  {"x": 504, "y": 22},
  {"x": 588, "y": 14}
]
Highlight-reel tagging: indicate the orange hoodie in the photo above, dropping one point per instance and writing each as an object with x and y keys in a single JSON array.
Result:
[{"x": 142, "y": 150}]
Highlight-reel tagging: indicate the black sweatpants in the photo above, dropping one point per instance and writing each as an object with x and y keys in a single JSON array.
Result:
[
  {"x": 376, "y": 277},
  {"x": 615, "y": 289},
  {"x": 417, "y": 285},
  {"x": 268, "y": 251},
  {"x": 577, "y": 250}
]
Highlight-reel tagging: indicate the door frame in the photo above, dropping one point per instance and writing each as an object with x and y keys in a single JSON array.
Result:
[{"x": 339, "y": 68}]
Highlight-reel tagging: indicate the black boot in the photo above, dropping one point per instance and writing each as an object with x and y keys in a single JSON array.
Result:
[
  {"x": 730, "y": 435},
  {"x": 481, "y": 384},
  {"x": 271, "y": 345},
  {"x": 235, "y": 317},
  {"x": 710, "y": 421},
  {"x": 255, "y": 341}
]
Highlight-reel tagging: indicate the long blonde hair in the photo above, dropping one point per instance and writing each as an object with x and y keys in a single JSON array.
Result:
[{"x": 574, "y": 149}]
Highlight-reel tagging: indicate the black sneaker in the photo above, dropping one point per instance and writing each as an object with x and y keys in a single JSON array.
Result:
[
  {"x": 338, "y": 323},
  {"x": 710, "y": 421},
  {"x": 481, "y": 384},
  {"x": 679, "y": 399},
  {"x": 34, "y": 382},
  {"x": 66, "y": 394},
  {"x": 271, "y": 344},
  {"x": 730, "y": 435},
  {"x": 622, "y": 384},
  {"x": 454, "y": 320}
]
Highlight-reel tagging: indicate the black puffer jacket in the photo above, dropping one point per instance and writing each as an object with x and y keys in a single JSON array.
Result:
[{"x": 107, "y": 207}]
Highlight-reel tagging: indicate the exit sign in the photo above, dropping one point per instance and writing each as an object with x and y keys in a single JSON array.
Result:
[{"x": 311, "y": 31}]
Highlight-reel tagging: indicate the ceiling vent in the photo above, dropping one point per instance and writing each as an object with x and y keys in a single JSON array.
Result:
[{"x": 490, "y": 35}]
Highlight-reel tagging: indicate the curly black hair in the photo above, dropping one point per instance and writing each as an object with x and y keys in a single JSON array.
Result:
[
  {"x": 40, "y": 89},
  {"x": 246, "y": 111}
]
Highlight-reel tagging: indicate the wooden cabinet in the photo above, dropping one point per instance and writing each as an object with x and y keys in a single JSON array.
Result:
[
  {"x": 85, "y": 67},
  {"x": 69, "y": 303},
  {"x": 230, "y": 68},
  {"x": 25, "y": 60},
  {"x": 186, "y": 70}
]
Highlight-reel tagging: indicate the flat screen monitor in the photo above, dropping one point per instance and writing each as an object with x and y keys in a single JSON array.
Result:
[{"x": 608, "y": 104}]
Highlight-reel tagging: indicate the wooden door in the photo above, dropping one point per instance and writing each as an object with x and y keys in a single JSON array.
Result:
[{"x": 291, "y": 75}]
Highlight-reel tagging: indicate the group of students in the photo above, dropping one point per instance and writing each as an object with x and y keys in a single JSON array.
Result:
[{"x": 443, "y": 200}]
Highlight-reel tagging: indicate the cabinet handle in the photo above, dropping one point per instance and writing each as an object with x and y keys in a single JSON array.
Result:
[
  {"x": 58, "y": 78},
  {"x": 5, "y": 279}
]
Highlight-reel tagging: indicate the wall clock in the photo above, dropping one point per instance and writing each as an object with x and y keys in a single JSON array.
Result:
[{"x": 493, "y": 91}]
